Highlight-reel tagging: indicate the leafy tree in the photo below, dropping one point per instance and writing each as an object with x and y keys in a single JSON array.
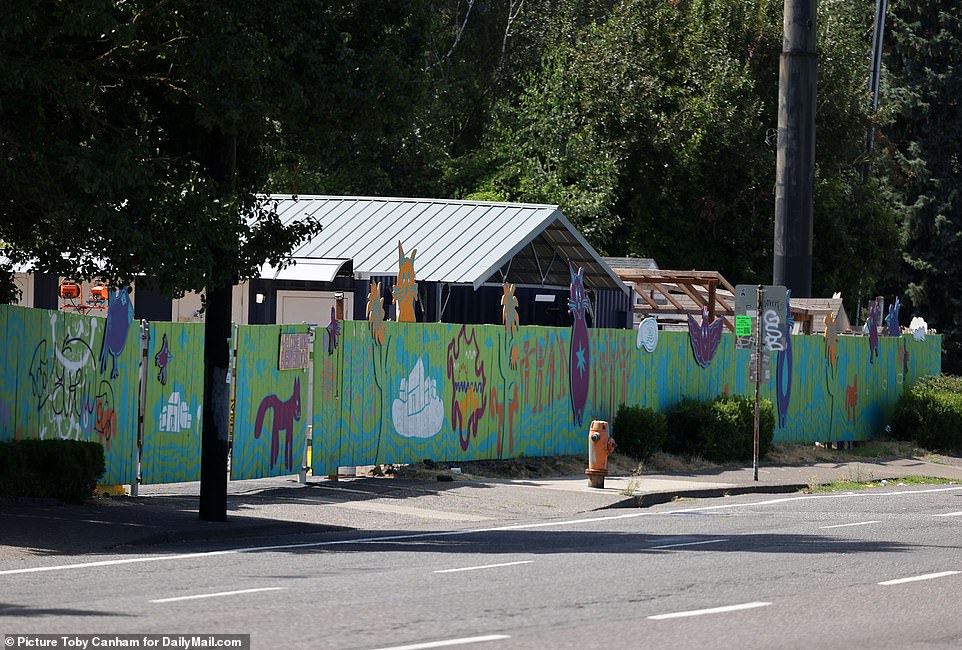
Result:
[
  {"x": 137, "y": 135},
  {"x": 655, "y": 130},
  {"x": 923, "y": 59}
]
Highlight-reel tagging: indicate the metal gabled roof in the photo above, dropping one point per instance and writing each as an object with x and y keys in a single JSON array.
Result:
[{"x": 457, "y": 242}]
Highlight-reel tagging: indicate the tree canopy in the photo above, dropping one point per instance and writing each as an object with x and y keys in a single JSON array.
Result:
[{"x": 137, "y": 135}]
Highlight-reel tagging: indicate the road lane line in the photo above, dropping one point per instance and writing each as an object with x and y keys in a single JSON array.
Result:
[
  {"x": 927, "y": 576},
  {"x": 713, "y": 610},
  {"x": 707, "y": 541},
  {"x": 449, "y": 642},
  {"x": 216, "y": 595},
  {"x": 859, "y": 523},
  {"x": 450, "y": 533},
  {"x": 485, "y": 566},
  {"x": 949, "y": 514}
]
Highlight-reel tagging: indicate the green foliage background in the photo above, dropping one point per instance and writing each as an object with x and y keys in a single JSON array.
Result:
[{"x": 136, "y": 135}]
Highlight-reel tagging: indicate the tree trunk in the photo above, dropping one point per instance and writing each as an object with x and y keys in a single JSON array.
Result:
[{"x": 217, "y": 322}]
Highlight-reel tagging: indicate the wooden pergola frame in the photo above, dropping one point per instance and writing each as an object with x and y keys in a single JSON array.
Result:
[{"x": 701, "y": 287}]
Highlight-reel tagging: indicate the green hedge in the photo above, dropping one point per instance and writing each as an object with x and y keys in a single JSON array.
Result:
[
  {"x": 61, "y": 469},
  {"x": 639, "y": 432},
  {"x": 930, "y": 413},
  {"x": 720, "y": 430}
]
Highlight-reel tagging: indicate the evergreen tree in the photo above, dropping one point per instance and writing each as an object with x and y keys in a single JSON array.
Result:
[{"x": 923, "y": 58}]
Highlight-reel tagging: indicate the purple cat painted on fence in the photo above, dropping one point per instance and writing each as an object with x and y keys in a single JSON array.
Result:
[
  {"x": 285, "y": 414},
  {"x": 120, "y": 314},
  {"x": 579, "y": 366}
]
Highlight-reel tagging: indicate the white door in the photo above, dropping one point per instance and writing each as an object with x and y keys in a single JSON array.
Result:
[{"x": 312, "y": 307}]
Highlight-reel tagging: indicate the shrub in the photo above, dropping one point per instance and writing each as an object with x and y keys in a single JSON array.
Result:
[
  {"x": 930, "y": 413},
  {"x": 720, "y": 430},
  {"x": 685, "y": 422},
  {"x": 639, "y": 432},
  {"x": 61, "y": 469}
]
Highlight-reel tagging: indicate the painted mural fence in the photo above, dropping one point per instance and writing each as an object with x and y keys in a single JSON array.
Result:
[
  {"x": 173, "y": 396},
  {"x": 77, "y": 377},
  {"x": 403, "y": 392},
  {"x": 412, "y": 391},
  {"x": 272, "y": 399}
]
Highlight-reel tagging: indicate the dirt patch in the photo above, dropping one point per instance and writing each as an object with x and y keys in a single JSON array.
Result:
[
  {"x": 659, "y": 463},
  {"x": 512, "y": 468}
]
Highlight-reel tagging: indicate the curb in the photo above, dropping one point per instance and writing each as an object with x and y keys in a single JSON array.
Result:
[{"x": 657, "y": 498}]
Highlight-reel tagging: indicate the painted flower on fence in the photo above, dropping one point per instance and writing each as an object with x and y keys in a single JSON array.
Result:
[
  {"x": 469, "y": 397},
  {"x": 333, "y": 331},
  {"x": 704, "y": 337},
  {"x": 161, "y": 359}
]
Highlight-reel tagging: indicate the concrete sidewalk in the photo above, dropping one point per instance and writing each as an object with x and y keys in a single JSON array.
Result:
[{"x": 259, "y": 511}]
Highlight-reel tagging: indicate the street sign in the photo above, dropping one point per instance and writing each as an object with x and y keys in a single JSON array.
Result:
[
  {"x": 774, "y": 326},
  {"x": 746, "y": 307},
  {"x": 743, "y": 326}
]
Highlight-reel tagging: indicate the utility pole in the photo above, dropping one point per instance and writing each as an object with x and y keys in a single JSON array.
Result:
[{"x": 795, "y": 166}]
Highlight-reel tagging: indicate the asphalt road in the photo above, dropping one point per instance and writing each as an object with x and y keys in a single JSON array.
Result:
[{"x": 869, "y": 569}]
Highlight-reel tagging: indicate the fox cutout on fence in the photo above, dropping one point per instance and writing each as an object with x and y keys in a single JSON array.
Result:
[{"x": 285, "y": 414}]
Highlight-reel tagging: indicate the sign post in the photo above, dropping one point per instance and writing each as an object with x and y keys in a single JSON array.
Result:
[
  {"x": 758, "y": 361},
  {"x": 760, "y": 327}
]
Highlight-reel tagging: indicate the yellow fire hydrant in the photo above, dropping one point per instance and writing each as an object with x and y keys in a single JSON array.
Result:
[{"x": 600, "y": 444}]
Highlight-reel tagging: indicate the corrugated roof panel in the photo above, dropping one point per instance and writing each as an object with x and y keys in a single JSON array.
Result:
[
  {"x": 508, "y": 230},
  {"x": 411, "y": 227},
  {"x": 457, "y": 241},
  {"x": 464, "y": 245}
]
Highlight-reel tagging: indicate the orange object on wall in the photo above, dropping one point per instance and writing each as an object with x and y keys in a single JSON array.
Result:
[
  {"x": 98, "y": 292},
  {"x": 69, "y": 290}
]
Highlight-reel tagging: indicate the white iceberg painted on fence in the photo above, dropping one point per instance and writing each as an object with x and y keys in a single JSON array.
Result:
[
  {"x": 647, "y": 334},
  {"x": 418, "y": 412},
  {"x": 919, "y": 327}
]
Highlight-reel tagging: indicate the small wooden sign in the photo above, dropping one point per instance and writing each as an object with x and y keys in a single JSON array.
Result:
[{"x": 295, "y": 352}]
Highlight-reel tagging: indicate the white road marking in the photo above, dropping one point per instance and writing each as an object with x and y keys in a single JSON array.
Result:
[
  {"x": 707, "y": 541},
  {"x": 927, "y": 576},
  {"x": 486, "y": 566},
  {"x": 713, "y": 610},
  {"x": 949, "y": 514},
  {"x": 449, "y": 642},
  {"x": 451, "y": 533},
  {"x": 85, "y": 521},
  {"x": 860, "y": 523},
  {"x": 216, "y": 595}
]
